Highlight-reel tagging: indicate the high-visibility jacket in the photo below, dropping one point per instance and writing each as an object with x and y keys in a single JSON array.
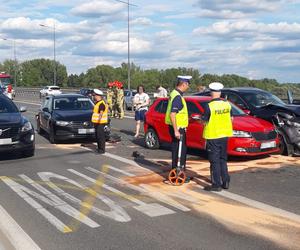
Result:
[
  {"x": 96, "y": 115},
  {"x": 182, "y": 117},
  {"x": 219, "y": 124}
]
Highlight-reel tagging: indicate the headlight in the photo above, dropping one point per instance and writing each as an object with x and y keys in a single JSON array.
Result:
[
  {"x": 26, "y": 127},
  {"x": 62, "y": 123},
  {"x": 242, "y": 134}
]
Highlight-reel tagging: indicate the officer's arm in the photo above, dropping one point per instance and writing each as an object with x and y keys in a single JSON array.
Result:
[{"x": 173, "y": 120}]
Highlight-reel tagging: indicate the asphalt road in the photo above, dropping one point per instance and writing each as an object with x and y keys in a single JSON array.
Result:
[{"x": 67, "y": 197}]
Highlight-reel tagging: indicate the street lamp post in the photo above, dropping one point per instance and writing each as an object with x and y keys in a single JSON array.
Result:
[
  {"x": 54, "y": 51},
  {"x": 15, "y": 59},
  {"x": 128, "y": 37}
]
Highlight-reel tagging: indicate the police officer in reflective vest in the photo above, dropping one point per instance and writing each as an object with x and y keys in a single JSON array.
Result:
[
  {"x": 100, "y": 119},
  {"x": 218, "y": 127},
  {"x": 178, "y": 119}
]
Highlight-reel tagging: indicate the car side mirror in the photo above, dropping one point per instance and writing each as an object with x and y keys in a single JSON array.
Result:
[
  {"x": 23, "y": 109},
  {"x": 196, "y": 117},
  {"x": 45, "y": 109},
  {"x": 247, "y": 111}
]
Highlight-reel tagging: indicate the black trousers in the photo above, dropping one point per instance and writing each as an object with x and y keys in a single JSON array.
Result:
[
  {"x": 100, "y": 137},
  {"x": 175, "y": 147},
  {"x": 217, "y": 156}
]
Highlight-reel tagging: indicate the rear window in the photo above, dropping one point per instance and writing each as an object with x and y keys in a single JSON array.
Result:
[
  {"x": 235, "y": 110},
  {"x": 7, "y": 106},
  {"x": 55, "y": 88},
  {"x": 73, "y": 103}
]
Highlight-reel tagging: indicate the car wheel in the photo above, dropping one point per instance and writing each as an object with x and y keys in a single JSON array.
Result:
[
  {"x": 52, "y": 138},
  {"x": 151, "y": 139},
  {"x": 284, "y": 148},
  {"x": 29, "y": 153}
]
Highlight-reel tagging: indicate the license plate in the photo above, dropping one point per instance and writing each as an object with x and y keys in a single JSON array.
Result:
[
  {"x": 271, "y": 144},
  {"x": 86, "y": 131},
  {"x": 5, "y": 141}
]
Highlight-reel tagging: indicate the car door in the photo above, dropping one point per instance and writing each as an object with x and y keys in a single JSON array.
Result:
[
  {"x": 45, "y": 114},
  {"x": 158, "y": 120},
  {"x": 194, "y": 132}
]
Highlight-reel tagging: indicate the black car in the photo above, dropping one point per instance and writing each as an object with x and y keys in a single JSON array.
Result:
[
  {"x": 67, "y": 116},
  {"x": 16, "y": 132},
  {"x": 86, "y": 92},
  {"x": 257, "y": 102}
]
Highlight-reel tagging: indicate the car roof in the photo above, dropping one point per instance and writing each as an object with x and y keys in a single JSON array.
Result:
[
  {"x": 191, "y": 98},
  {"x": 52, "y": 86},
  {"x": 68, "y": 95},
  {"x": 239, "y": 90}
]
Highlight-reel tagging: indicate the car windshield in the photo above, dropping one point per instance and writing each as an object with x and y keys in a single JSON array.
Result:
[
  {"x": 72, "y": 103},
  {"x": 261, "y": 99},
  {"x": 5, "y": 81},
  {"x": 7, "y": 106},
  {"x": 235, "y": 110}
]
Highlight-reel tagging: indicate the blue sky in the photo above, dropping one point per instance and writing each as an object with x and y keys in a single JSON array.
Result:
[{"x": 253, "y": 38}]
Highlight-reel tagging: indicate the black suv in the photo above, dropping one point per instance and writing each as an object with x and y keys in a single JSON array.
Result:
[
  {"x": 256, "y": 102},
  {"x": 67, "y": 116},
  {"x": 16, "y": 132}
]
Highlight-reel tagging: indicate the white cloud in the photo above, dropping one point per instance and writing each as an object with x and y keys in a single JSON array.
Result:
[
  {"x": 98, "y": 8},
  {"x": 141, "y": 21}
]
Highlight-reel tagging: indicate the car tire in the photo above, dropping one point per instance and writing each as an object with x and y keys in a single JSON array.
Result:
[
  {"x": 284, "y": 148},
  {"x": 52, "y": 138},
  {"x": 29, "y": 152},
  {"x": 151, "y": 139}
]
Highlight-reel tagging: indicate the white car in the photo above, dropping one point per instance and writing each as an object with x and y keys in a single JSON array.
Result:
[{"x": 50, "y": 90}]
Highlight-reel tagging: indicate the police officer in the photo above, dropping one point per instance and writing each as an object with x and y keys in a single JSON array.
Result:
[
  {"x": 218, "y": 127},
  {"x": 178, "y": 120},
  {"x": 100, "y": 119}
]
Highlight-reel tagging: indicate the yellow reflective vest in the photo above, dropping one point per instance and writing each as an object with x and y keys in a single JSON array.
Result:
[
  {"x": 219, "y": 124},
  {"x": 182, "y": 117},
  {"x": 96, "y": 115}
]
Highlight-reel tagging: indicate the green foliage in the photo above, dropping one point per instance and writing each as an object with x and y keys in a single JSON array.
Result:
[{"x": 39, "y": 72}]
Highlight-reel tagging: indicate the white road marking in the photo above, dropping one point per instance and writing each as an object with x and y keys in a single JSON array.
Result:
[
  {"x": 152, "y": 209},
  {"x": 156, "y": 194},
  {"x": 31, "y": 103},
  {"x": 120, "y": 171},
  {"x": 260, "y": 205},
  {"x": 119, "y": 158},
  {"x": 14, "y": 233},
  {"x": 116, "y": 212}
]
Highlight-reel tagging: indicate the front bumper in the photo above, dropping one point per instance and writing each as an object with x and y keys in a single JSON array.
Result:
[
  {"x": 22, "y": 142},
  {"x": 250, "y": 147},
  {"x": 75, "y": 131}
]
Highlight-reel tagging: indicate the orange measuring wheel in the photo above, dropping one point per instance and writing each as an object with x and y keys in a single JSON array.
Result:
[{"x": 176, "y": 177}]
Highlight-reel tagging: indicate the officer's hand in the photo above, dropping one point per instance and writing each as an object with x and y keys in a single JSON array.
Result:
[{"x": 177, "y": 134}]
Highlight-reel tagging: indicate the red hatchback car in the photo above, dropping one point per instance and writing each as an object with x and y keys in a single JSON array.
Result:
[{"x": 252, "y": 136}]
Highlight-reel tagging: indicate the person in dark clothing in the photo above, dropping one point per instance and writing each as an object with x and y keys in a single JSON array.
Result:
[{"x": 218, "y": 127}]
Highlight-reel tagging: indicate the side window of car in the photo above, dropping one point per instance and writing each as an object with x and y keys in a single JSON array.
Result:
[
  {"x": 236, "y": 100},
  {"x": 161, "y": 107},
  {"x": 192, "y": 108},
  {"x": 47, "y": 103}
]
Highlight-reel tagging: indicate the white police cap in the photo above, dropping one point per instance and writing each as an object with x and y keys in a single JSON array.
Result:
[
  {"x": 98, "y": 92},
  {"x": 216, "y": 86},
  {"x": 184, "y": 78}
]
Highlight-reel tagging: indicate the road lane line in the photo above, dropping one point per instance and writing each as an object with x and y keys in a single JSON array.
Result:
[
  {"x": 156, "y": 194},
  {"x": 15, "y": 234},
  {"x": 31, "y": 103},
  {"x": 260, "y": 205},
  {"x": 150, "y": 209}
]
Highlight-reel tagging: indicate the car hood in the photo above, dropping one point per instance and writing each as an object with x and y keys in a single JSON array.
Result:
[
  {"x": 251, "y": 124},
  {"x": 10, "y": 119},
  {"x": 73, "y": 115}
]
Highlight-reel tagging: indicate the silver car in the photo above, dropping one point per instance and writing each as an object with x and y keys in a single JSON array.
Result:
[{"x": 128, "y": 99}]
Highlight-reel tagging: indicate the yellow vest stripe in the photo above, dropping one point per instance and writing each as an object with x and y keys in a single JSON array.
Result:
[
  {"x": 219, "y": 124},
  {"x": 96, "y": 115},
  {"x": 182, "y": 117}
]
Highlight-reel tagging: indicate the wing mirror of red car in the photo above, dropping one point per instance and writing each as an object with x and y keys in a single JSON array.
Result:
[
  {"x": 247, "y": 111},
  {"x": 196, "y": 117}
]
